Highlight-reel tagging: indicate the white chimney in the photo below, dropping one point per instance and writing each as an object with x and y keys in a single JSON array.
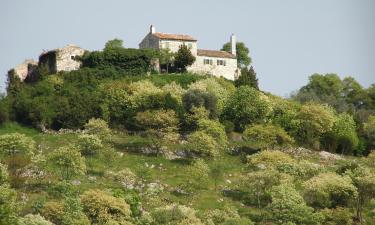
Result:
[
  {"x": 152, "y": 29},
  {"x": 233, "y": 44}
]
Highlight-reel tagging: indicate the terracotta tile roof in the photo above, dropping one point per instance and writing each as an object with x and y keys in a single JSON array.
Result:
[
  {"x": 214, "y": 53},
  {"x": 182, "y": 37}
]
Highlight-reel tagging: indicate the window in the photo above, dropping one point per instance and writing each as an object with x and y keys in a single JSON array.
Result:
[
  {"x": 166, "y": 45},
  {"x": 72, "y": 57},
  {"x": 221, "y": 62},
  {"x": 207, "y": 61},
  {"x": 190, "y": 45}
]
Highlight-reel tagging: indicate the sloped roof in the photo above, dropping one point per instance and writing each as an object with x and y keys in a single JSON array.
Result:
[
  {"x": 214, "y": 53},
  {"x": 181, "y": 37}
]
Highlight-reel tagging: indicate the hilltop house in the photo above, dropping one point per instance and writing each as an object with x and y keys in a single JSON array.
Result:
[
  {"x": 61, "y": 59},
  {"x": 217, "y": 63}
]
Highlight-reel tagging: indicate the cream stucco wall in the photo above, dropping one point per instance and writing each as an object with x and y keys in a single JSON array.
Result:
[
  {"x": 229, "y": 71},
  {"x": 175, "y": 45}
]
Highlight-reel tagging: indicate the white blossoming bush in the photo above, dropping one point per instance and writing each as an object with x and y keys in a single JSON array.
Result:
[{"x": 90, "y": 145}]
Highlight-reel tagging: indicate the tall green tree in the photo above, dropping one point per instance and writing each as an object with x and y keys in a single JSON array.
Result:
[
  {"x": 248, "y": 77},
  {"x": 184, "y": 58},
  {"x": 113, "y": 44},
  {"x": 242, "y": 53}
]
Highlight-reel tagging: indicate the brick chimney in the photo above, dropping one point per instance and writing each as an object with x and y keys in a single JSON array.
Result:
[
  {"x": 152, "y": 29},
  {"x": 233, "y": 44}
]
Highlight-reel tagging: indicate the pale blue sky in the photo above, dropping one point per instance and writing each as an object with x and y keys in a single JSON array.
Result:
[{"x": 289, "y": 39}]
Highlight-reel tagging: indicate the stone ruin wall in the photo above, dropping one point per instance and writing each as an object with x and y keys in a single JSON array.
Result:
[{"x": 65, "y": 58}]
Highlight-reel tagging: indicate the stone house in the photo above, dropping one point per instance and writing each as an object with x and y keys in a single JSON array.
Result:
[
  {"x": 217, "y": 63},
  {"x": 61, "y": 59},
  {"x": 25, "y": 69}
]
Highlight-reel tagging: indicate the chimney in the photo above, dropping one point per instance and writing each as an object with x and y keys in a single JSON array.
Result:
[
  {"x": 152, "y": 29},
  {"x": 233, "y": 44}
]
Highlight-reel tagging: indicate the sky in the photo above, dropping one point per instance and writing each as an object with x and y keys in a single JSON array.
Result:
[{"x": 289, "y": 40}]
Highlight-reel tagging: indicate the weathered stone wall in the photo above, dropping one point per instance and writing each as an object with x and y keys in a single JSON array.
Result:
[
  {"x": 25, "y": 68},
  {"x": 150, "y": 41},
  {"x": 229, "y": 71},
  {"x": 65, "y": 58}
]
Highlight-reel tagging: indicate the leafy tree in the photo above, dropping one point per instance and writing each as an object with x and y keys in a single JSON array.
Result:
[
  {"x": 288, "y": 206},
  {"x": 369, "y": 131},
  {"x": 183, "y": 58},
  {"x": 364, "y": 181},
  {"x": 201, "y": 144},
  {"x": 16, "y": 150},
  {"x": 248, "y": 77},
  {"x": 113, "y": 44},
  {"x": 196, "y": 98},
  {"x": 166, "y": 57},
  {"x": 242, "y": 53},
  {"x": 329, "y": 190},
  {"x": 246, "y": 106},
  {"x": 69, "y": 161},
  {"x": 267, "y": 136},
  {"x": 257, "y": 185},
  {"x": 343, "y": 137},
  {"x": 314, "y": 120},
  {"x": 102, "y": 208},
  {"x": 161, "y": 128}
]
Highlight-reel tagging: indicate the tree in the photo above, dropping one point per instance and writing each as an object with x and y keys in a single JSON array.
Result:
[
  {"x": 69, "y": 161},
  {"x": 369, "y": 131},
  {"x": 161, "y": 127},
  {"x": 16, "y": 150},
  {"x": 201, "y": 144},
  {"x": 267, "y": 136},
  {"x": 329, "y": 190},
  {"x": 364, "y": 180},
  {"x": 248, "y": 77},
  {"x": 197, "y": 98},
  {"x": 113, "y": 44},
  {"x": 314, "y": 120},
  {"x": 242, "y": 53},
  {"x": 246, "y": 106},
  {"x": 102, "y": 208},
  {"x": 98, "y": 127},
  {"x": 337, "y": 216},
  {"x": 257, "y": 185},
  {"x": 288, "y": 206},
  {"x": 166, "y": 57},
  {"x": 184, "y": 58},
  {"x": 343, "y": 137}
]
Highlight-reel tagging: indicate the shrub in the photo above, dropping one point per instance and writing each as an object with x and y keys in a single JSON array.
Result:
[
  {"x": 8, "y": 205},
  {"x": 102, "y": 208},
  {"x": 267, "y": 136},
  {"x": 31, "y": 219},
  {"x": 162, "y": 120},
  {"x": 89, "y": 145},
  {"x": 197, "y": 175},
  {"x": 125, "y": 177},
  {"x": 337, "y": 216},
  {"x": 288, "y": 206},
  {"x": 225, "y": 216},
  {"x": 329, "y": 190},
  {"x": 3, "y": 174},
  {"x": 175, "y": 214},
  {"x": 269, "y": 159},
  {"x": 196, "y": 98},
  {"x": 69, "y": 161},
  {"x": 201, "y": 144},
  {"x": 216, "y": 130},
  {"x": 97, "y": 127},
  {"x": 68, "y": 211},
  {"x": 256, "y": 186},
  {"x": 246, "y": 106}
]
